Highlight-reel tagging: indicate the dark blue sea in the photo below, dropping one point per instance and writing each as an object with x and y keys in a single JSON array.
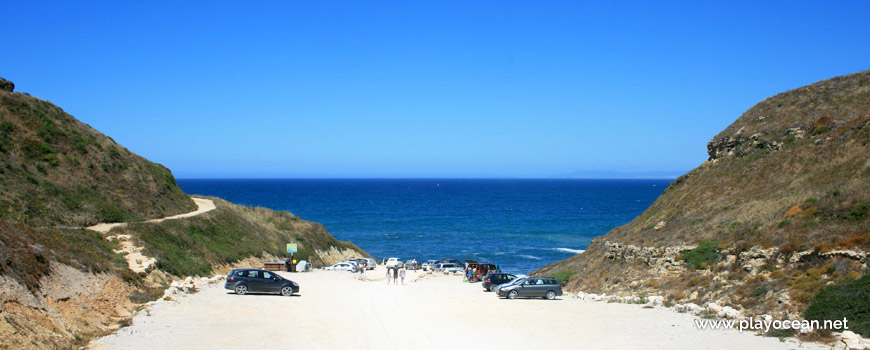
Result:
[{"x": 519, "y": 224}]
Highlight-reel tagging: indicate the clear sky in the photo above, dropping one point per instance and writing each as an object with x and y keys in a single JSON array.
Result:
[{"x": 422, "y": 88}]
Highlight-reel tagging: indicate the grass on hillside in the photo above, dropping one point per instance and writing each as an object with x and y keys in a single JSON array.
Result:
[
  {"x": 55, "y": 170},
  {"x": 194, "y": 246},
  {"x": 26, "y": 253},
  {"x": 849, "y": 300}
]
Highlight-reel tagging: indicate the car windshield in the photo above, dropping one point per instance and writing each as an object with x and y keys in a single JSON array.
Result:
[{"x": 518, "y": 280}]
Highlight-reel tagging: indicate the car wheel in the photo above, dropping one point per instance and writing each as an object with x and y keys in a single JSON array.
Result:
[
  {"x": 551, "y": 295},
  {"x": 287, "y": 291},
  {"x": 241, "y": 289},
  {"x": 512, "y": 294},
  {"x": 493, "y": 288}
]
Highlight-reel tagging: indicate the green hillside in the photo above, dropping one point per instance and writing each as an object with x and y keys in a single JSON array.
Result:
[{"x": 55, "y": 170}]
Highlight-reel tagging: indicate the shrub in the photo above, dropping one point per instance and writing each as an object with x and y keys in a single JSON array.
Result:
[
  {"x": 704, "y": 254},
  {"x": 758, "y": 292},
  {"x": 849, "y": 300},
  {"x": 110, "y": 212},
  {"x": 858, "y": 212},
  {"x": 5, "y": 143},
  {"x": 563, "y": 276},
  {"x": 7, "y": 127},
  {"x": 784, "y": 223}
]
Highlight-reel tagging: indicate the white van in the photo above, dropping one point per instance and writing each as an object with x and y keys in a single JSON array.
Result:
[{"x": 392, "y": 262}]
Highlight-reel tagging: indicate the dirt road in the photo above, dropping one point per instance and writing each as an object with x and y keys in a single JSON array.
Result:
[{"x": 334, "y": 310}]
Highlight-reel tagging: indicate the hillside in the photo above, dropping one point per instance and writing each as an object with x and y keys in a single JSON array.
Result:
[
  {"x": 55, "y": 170},
  {"x": 62, "y": 285},
  {"x": 779, "y": 211}
]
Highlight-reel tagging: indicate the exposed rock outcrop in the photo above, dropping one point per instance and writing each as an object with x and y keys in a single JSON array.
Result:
[{"x": 6, "y": 85}]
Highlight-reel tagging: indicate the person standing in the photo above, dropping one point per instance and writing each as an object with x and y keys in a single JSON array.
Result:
[
  {"x": 402, "y": 274},
  {"x": 388, "y": 275}
]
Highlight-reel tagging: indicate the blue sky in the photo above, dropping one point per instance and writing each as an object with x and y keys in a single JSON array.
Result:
[{"x": 422, "y": 89}]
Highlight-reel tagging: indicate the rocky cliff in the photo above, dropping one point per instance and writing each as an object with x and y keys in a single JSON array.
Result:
[{"x": 777, "y": 213}]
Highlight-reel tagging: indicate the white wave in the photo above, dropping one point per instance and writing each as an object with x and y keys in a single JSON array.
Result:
[
  {"x": 569, "y": 250},
  {"x": 530, "y": 257}
]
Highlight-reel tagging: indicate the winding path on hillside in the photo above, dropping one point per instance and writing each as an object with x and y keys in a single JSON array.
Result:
[{"x": 138, "y": 262}]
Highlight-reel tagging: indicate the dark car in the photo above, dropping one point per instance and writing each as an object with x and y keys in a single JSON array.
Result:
[
  {"x": 492, "y": 280},
  {"x": 244, "y": 281},
  {"x": 532, "y": 287}
]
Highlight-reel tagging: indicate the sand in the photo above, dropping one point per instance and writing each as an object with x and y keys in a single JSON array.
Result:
[{"x": 335, "y": 310}]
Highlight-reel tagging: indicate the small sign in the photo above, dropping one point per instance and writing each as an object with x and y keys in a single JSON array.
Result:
[{"x": 291, "y": 248}]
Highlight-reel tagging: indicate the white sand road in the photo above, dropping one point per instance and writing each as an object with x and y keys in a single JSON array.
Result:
[
  {"x": 336, "y": 311},
  {"x": 202, "y": 206}
]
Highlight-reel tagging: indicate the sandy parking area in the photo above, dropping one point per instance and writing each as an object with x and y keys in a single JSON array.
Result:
[{"x": 334, "y": 310}]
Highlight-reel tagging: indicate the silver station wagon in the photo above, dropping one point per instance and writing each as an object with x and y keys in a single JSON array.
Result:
[{"x": 531, "y": 287}]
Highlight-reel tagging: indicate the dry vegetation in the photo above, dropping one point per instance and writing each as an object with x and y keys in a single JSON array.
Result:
[
  {"x": 55, "y": 170},
  {"x": 792, "y": 173}
]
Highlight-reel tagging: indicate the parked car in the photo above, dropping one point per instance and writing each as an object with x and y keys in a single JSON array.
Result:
[
  {"x": 531, "y": 287},
  {"x": 453, "y": 269},
  {"x": 483, "y": 269},
  {"x": 392, "y": 262},
  {"x": 429, "y": 264},
  {"x": 491, "y": 281},
  {"x": 369, "y": 262},
  {"x": 244, "y": 281},
  {"x": 412, "y": 264},
  {"x": 447, "y": 268},
  {"x": 342, "y": 266},
  {"x": 453, "y": 261},
  {"x": 470, "y": 264}
]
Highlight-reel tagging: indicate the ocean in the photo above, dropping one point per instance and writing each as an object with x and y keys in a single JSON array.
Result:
[{"x": 519, "y": 224}]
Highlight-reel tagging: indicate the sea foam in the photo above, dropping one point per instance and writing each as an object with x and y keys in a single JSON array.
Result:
[{"x": 569, "y": 250}]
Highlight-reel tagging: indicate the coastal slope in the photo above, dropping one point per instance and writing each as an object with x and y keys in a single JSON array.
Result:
[
  {"x": 56, "y": 170},
  {"x": 777, "y": 214},
  {"x": 61, "y": 284}
]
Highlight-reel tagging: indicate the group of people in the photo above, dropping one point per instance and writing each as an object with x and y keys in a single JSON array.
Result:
[
  {"x": 394, "y": 274},
  {"x": 471, "y": 274}
]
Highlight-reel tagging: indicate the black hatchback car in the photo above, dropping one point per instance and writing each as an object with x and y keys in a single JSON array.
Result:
[
  {"x": 244, "y": 281},
  {"x": 492, "y": 280}
]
